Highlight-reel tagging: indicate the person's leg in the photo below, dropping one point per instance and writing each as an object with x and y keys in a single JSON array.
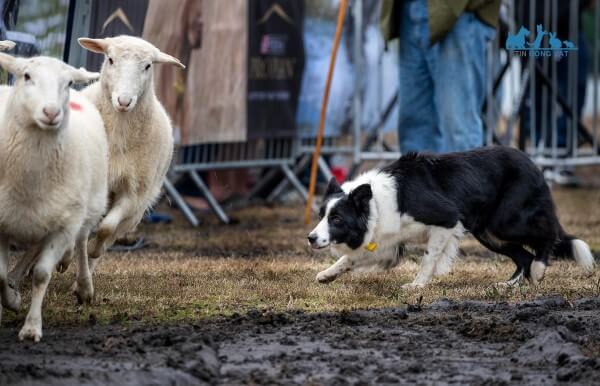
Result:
[
  {"x": 417, "y": 128},
  {"x": 459, "y": 68}
]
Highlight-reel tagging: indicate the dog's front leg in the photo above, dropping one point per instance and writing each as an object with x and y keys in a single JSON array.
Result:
[
  {"x": 330, "y": 274},
  {"x": 438, "y": 241}
]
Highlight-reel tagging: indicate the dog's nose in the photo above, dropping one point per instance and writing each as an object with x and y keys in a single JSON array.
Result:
[
  {"x": 312, "y": 238},
  {"x": 124, "y": 102},
  {"x": 51, "y": 112}
]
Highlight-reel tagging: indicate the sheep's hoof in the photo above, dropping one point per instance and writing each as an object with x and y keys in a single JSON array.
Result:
[
  {"x": 63, "y": 265},
  {"x": 95, "y": 249},
  {"x": 413, "y": 285},
  {"x": 324, "y": 277},
  {"x": 84, "y": 292},
  {"x": 31, "y": 331},
  {"x": 13, "y": 300}
]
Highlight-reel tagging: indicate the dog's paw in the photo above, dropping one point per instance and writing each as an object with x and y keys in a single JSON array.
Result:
[
  {"x": 325, "y": 277},
  {"x": 538, "y": 269}
]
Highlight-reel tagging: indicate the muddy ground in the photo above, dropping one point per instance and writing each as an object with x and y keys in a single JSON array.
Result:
[
  {"x": 543, "y": 339},
  {"x": 547, "y": 341}
]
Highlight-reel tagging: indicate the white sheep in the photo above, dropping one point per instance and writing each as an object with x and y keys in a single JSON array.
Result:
[
  {"x": 53, "y": 175},
  {"x": 139, "y": 132}
]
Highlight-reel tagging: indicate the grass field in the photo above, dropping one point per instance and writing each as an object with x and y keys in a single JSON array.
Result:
[{"x": 263, "y": 262}]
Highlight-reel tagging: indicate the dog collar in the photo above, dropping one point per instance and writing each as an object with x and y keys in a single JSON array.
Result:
[{"x": 371, "y": 247}]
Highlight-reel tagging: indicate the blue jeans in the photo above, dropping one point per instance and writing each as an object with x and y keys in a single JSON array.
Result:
[{"x": 441, "y": 87}]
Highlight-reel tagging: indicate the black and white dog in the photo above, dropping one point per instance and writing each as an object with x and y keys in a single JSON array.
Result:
[{"x": 495, "y": 193}]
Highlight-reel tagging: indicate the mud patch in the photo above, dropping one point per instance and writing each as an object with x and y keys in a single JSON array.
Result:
[{"x": 539, "y": 342}]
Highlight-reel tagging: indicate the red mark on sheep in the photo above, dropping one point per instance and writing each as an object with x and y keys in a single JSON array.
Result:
[{"x": 75, "y": 106}]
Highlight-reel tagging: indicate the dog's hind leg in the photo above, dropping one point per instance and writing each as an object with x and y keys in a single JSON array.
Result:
[
  {"x": 519, "y": 255},
  {"x": 539, "y": 264}
]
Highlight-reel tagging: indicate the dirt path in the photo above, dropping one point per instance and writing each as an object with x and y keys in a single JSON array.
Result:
[{"x": 542, "y": 342}]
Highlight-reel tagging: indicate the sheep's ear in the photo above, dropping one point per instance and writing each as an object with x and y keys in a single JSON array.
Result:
[
  {"x": 95, "y": 45},
  {"x": 6, "y": 45},
  {"x": 161, "y": 57},
  {"x": 10, "y": 63},
  {"x": 83, "y": 76}
]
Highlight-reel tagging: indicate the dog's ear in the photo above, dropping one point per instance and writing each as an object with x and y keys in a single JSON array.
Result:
[
  {"x": 333, "y": 187},
  {"x": 360, "y": 196}
]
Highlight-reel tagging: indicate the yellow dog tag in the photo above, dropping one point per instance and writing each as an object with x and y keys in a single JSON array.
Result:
[{"x": 371, "y": 247}]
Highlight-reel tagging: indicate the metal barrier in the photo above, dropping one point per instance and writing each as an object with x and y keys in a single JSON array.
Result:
[
  {"x": 542, "y": 83},
  {"x": 279, "y": 154},
  {"x": 43, "y": 23}
]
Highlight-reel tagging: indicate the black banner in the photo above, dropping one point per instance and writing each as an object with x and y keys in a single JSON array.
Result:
[
  {"x": 113, "y": 18},
  {"x": 275, "y": 67}
]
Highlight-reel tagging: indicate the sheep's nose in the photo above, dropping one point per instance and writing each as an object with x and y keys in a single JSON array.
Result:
[
  {"x": 51, "y": 112},
  {"x": 124, "y": 102},
  {"x": 312, "y": 238}
]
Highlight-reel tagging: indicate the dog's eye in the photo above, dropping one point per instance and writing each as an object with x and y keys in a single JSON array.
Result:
[
  {"x": 27, "y": 77},
  {"x": 111, "y": 61},
  {"x": 70, "y": 83},
  {"x": 148, "y": 67},
  {"x": 336, "y": 220}
]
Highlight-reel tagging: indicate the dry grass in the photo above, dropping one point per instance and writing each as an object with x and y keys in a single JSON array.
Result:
[{"x": 264, "y": 263}]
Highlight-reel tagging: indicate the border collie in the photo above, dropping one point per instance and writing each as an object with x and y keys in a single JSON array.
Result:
[{"x": 495, "y": 193}]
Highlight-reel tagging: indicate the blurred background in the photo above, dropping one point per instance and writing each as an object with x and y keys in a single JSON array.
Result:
[{"x": 411, "y": 75}]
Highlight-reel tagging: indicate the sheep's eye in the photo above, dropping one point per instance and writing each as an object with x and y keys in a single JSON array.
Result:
[
  {"x": 111, "y": 61},
  {"x": 70, "y": 83},
  {"x": 27, "y": 77},
  {"x": 147, "y": 67}
]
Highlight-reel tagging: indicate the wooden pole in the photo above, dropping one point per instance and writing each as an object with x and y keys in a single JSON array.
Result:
[{"x": 317, "y": 152}]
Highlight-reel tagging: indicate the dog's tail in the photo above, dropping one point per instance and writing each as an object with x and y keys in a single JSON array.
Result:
[{"x": 570, "y": 247}]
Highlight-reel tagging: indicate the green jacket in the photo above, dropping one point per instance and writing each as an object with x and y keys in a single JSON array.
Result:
[{"x": 442, "y": 15}]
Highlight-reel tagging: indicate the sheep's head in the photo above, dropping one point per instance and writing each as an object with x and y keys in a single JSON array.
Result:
[
  {"x": 42, "y": 87},
  {"x": 127, "y": 70}
]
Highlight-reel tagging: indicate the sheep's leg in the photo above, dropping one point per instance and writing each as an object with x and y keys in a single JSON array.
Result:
[
  {"x": 52, "y": 251},
  {"x": 83, "y": 287},
  {"x": 108, "y": 227},
  {"x": 65, "y": 262},
  {"x": 10, "y": 298},
  {"x": 15, "y": 277}
]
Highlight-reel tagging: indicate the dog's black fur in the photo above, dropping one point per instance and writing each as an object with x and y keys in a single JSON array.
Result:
[
  {"x": 497, "y": 193},
  {"x": 348, "y": 218}
]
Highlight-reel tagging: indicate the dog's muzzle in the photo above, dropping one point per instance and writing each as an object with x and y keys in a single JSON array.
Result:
[{"x": 315, "y": 243}]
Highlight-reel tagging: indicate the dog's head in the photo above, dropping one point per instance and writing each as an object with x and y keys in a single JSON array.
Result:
[{"x": 344, "y": 217}]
